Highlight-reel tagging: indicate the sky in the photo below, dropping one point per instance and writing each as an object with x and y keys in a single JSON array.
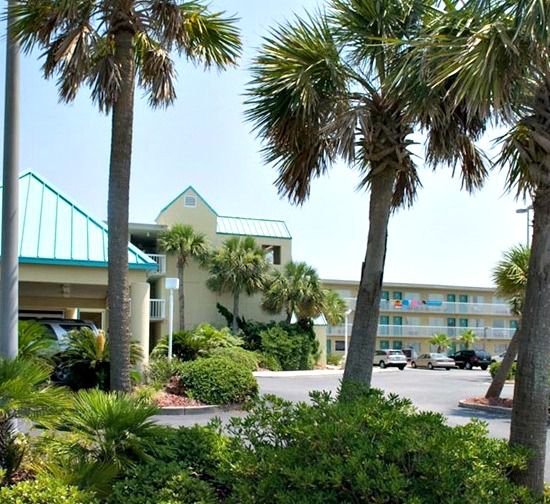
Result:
[{"x": 449, "y": 237}]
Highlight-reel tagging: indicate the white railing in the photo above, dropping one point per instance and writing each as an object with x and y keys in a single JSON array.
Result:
[
  {"x": 160, "y": 259},
  {"x": 157, "y": 309},
  {"x": 413, "y": 306},
  {"x": 413, "y": 331}
]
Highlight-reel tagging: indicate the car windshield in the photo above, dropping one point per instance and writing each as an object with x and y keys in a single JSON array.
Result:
[
  {"x": 395, "y": 352},
  {"x": 438, "y": 356},
  {"x": 483, "y": 355}
]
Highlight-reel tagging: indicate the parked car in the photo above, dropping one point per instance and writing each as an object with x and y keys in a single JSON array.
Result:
[
  {"x": 500, "y": 357},
  {"x": 410, "y": 353},
  {"x": 390, "y": 358},
  {"x": 468, "y": 359},
  {"x": 433, "y": 360},
  {"x": 58, "y": 327}
]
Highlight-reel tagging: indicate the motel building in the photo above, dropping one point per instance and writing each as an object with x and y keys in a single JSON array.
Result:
[{"x": 63, "y": 274}]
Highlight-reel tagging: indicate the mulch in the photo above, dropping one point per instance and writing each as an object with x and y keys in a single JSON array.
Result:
[
  {"x": 502, "y": 402},
  {"x": 166, "y": 399}
]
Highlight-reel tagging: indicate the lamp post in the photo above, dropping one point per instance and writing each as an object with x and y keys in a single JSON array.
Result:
[
  {"x": 171, "y": 284},
  {"x": 9, "y": 274},
  {"x": 346, "y": 316},
  {"x": 527, "y": 211},
  {"x": 485, "y": 329}
]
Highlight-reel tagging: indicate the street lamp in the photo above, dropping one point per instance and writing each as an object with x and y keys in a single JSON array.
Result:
[
  {"x": 526, "y": 211},
  {"x": 171, "y": 284},
  {"x": 485, "y": 329},
  {"x": 346, "y": 315}
]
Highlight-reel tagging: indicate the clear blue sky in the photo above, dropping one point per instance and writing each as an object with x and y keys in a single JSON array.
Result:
[{"x": 448, "y": 237}]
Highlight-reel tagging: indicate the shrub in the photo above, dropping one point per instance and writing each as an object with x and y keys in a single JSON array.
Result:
[
  {"x": 218, "y": 380},
  {"x": 244, "y": 358},
  {"x": 44, "y": 491},
  {"x": 366, "y": 449},
  {"x": 269, "y": 362},
  {"x": 294, "y": 350},
  {"x": 160, "y": 370},
  {"x": 495, "y": 366},
  {"x": 334, "y": 359},
  {"x": 162, "y": 484}
]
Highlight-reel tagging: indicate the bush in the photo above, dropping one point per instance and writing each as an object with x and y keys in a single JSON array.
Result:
[
  {"x": 366, "y": 449},
  {"x": 244, "y": 358},
  {"x": 334, "y": 359},
  {"x": 294, "y": 350},
  {"x": 269, "y": 362},
  {"x": 495, "y": 366},
  {"x": 218, "y": 380},
  {"x": 162, "y": 484},
  {"x": 160, "y": 370},
  {"x": 44, "y": 491}
]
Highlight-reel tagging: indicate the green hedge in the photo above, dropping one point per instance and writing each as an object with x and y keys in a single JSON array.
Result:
[
  {"x": 44, "y": 491},
  {"x": 218, "y": 380},
  {"x": 293, "y": 349},
  {"x": 242, "y": 357},
  {"x": 495, "y": 366}
]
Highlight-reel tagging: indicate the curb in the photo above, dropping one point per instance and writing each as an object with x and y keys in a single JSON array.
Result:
[
  {"x": 294, "y": 374},
  {"x": 196, "y": 410},
  {"x": 497, "y": 410}
]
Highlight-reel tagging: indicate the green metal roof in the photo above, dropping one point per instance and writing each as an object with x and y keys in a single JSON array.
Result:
[
  {"x": 54, "y": 230},
  {"x": 252, "y": 227}
]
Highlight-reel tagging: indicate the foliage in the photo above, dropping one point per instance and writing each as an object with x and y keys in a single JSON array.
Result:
[
  {"x": 218, "y": 380},
  {"x": 184, "y": 242},
  {"x": 494, "y": 367},
  {"x": 44, "y": 491},
  {"x": 441, "y": 341},
  {"x": 268, "y": 362},
  {"x": 162, "y": 484},
  {"x": 334, "y": 359},
  {"x": 244, "y": 358},
  {"x": 293, "y": 349},
  {"x": 160, "y": 370},
  {"x": 366, "y": 448},
  {"x": 34, "y": 341},
  {"x": 467, "y": 338},
  {"x": 85, "y": 361},
  {"x": 106, "y": 433},
  {"x": 510, "y": 276}
]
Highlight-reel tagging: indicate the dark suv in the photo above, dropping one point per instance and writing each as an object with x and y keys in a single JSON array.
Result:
[{"x": 468, "y": 359}]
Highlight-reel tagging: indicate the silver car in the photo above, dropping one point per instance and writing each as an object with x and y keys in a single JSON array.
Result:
[
  {"x": 389, "y": 358},
  {"x": 433, "y": 360}
]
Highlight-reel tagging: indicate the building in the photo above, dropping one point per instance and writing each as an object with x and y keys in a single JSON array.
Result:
[
  {"x": 410, "y": 314},
  {"x": 189, "y": 207}
]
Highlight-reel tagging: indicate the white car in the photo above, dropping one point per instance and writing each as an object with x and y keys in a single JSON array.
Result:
[
  {"x": 390, "y": 358},
  {"x": 433, "y": 360}
]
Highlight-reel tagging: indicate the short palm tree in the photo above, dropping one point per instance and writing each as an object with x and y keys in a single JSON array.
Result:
[
  {"x": 323, "y": 88},
  {"x": 467, "y": 338},
  {"x": 238, "y": 266},
  {"x": 112, "y": 47},
  {"x": 333, "y": 307},
  {"x": 186, "y": 244},
  {"x": 510, "y": 277},
  {"x": 34, "y": 341},
  {"x": 441, "y": 341}
]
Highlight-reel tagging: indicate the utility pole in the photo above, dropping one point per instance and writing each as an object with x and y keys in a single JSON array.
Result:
[{"x": 9, "y": 273}]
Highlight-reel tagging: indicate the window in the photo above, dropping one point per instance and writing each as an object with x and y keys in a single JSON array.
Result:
[
  {"x": 397, "y": 345},
  {"x": 513, "y": 324},
  {"x": 190, "y": 201},
  {"x": 384, "y": 320},
  {"x": 397, "y": 320},
  {"x": 384, "y": 344},
  {"x": 386, "y": 295},
  {"x": 451, "y": 298},
  {"x": 397, "y": 295},
  {"x": 272, "y": 254},
  {"x": 463, "y": 322},
  {"x": 340, "y": 345},
  {"x": 451, "y": 322},
  {"x": 463, "y": 298}
]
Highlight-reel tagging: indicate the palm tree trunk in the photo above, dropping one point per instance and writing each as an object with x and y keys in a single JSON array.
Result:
[
  {"x": 495, "y": 389},
  {"x": 288, "y": 317},
  {"x": 119, "y": 192},
  {"x": 235, "y": 323},
  {"x": 365, "y": 325},
  {"x": 530, "y": 410},
  {"x": 181, "y": 295}
]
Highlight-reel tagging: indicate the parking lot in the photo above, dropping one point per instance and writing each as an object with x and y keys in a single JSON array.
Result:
[{"x": 436, "y": 390}]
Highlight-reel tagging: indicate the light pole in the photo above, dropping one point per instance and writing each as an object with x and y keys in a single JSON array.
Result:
[
  {"x": 9, "y": 274},
  {"x": 171, "y": 284},
  {"x": 346, "y": 316},
  {"x": 527, "y": 211},
  {"x": 485, "y": 329}
]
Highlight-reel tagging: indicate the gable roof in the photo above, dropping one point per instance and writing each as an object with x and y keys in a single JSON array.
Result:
[
  {"x": 252, "y": 227},
  {"x": 54, "y": 230},
  {"x": 188, "y": 188}
]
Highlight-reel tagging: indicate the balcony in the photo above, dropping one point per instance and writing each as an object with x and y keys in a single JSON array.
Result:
[
  {"x": 160, "y": 259},
  {"x": 157, "y": 310},
  {"x": 410, "y": 331}
]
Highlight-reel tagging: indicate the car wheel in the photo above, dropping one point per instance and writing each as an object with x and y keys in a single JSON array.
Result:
[
  {"x": 448, "y": 368},
  {"x": 401, "y": 368},
  {"x": 484, "y": 367},
  {"x": 413, "y": 365},
  {"x": 382, "y": 364},
  {"x": 430, "y": 365},
  {"x": 468, "y": 366}
]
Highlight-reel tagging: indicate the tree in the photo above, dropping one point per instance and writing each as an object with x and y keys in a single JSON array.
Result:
[
  {"x": 238, "y": 266},
  {"x": 112, "y": 47},
  {"x": 186, "y": 244},
  {"x": 322, "y": 89},
  {"x": 510, "y": 277},
  {"x": 297, "y": 290},
  {"x": 467, "y": 338},
  {"x": 496, "y": 58},
  {"x": 441, "y": 340}
]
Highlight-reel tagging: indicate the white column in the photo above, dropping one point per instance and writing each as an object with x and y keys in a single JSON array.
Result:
[{"x": 139, "y": 316}]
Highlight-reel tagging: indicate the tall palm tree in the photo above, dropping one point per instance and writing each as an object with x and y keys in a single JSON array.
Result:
[
  {"x": 238, "y": 266},
  {"x": 441, "y": 340},
  {"x": 510, "y": 277},
  {"x": 322, "y": 88},
  {"x": 186, "y": 244},
  {"x": 497, "y": 61},
  {"x": 112, "y": 46}
]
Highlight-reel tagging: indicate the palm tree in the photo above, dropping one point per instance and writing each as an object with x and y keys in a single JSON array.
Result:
[
  {"x": 238, "y": 266},
  {"x": 112, "y": 47},
  {"x": 322, "y": 88},
  {"x": 34, "y": 341},
  {"x": 510, "y": 277},
  {"x": 182, "y": 241},
  {"x": 441, "y": 340},
  {"x": 333, "y": 307},
  {"x": 497, "y": 61},
  {"x": 467, "y": 338}
]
